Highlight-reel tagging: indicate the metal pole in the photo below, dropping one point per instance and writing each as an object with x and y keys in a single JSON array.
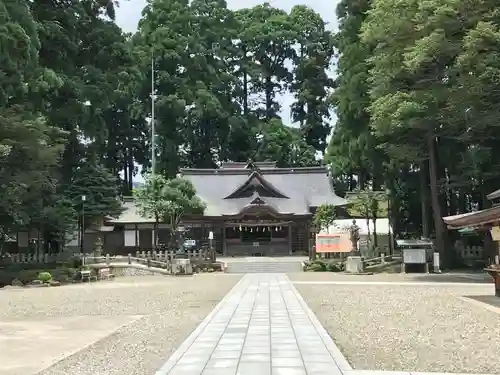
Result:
[
  {"x": 153, "y": 141},
  {"x": 389, "y": 214},
  {"x": 84, "y": 198},
  {"x": 83, "y": 227}
]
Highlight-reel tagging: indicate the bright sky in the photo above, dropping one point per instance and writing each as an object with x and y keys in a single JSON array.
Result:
[{"x": 129, "y": 12}]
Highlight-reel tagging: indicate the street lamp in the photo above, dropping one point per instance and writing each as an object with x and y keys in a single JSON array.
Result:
[
  {"x": 84, "y": 198},
  {"x": 391, "y": 243}
]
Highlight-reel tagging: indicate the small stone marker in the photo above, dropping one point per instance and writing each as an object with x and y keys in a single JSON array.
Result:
[{"x": 354, "y": 264}]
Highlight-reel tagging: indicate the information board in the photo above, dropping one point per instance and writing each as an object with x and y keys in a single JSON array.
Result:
[
  {"x": 414, "y": 256},
  {"x": 333, "y": 243},
  {"x": 495, "y": 233}
]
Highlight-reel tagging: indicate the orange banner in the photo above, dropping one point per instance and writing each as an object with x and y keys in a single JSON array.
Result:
[{"x": 333, "y": 243}]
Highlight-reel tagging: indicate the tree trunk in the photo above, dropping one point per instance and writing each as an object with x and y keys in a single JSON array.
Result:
[
  {"x": 155, "y": 233},
  {"x": 436, "y": 208},
  {"x": 269, "y": 97},
  {"x": 368, "y": 239},
  {"x": 130, "y": 172},
  {"x": 424, "y": 199},
  {"x": 245, "y": 82}
]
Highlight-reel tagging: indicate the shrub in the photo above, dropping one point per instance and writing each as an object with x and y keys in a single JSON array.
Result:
[
  {"x": 64, "y": 275},
  {"x": 27, "y": 276},
  {"x": 306, "y": 266},
  {"x": 6, "y": 278},
  {"x": 320, "y": 264},
  {"x": 334, "y": 266},
  {"x": 316, "y": 267},
  {"x": 16, "y": 282},
  {"x": 45, "y": 277},
  {"x": 75, "y": 262}
]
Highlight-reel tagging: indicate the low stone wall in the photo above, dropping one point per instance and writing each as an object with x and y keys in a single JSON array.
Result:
[{"x": 130, "y": 271}]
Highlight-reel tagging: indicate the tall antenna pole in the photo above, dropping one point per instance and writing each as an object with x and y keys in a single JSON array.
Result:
[{"x": 153, "y": 140}]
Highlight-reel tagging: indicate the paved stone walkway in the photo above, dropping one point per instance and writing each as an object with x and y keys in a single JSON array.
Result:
[{"x": 262, "y": 327}]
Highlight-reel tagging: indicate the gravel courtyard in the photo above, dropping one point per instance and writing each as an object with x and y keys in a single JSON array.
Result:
[
  {"x": 132, "y": 325},
  {"x": 407, "y": 327}
]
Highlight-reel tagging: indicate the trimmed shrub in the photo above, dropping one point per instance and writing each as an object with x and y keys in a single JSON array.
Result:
[
  {"x": 334, "y": 266},
  {"x": 45, "y": 277},
  {"x": 316, "y": 267}
]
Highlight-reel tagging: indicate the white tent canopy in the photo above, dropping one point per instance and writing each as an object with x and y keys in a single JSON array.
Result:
[{"x": 342, "y": 226}]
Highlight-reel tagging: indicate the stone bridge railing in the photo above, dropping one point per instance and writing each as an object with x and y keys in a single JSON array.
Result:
[
  {"x": 166, "y": 255},
  {"x": 139, "y": 256}
]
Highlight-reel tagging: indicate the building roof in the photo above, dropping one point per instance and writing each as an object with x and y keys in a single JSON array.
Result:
[
  {"x": 236, "y": 188},
  {"x": 494, "y": 195},
  {"x": 476, "y": 218},
  {"x": 472, "y": 219},
  {"x": 130, "y": 214},
  {"x": 291, "y": 190}
]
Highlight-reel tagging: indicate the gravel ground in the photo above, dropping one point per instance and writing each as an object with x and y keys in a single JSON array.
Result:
[
  {"x": 172, "y": 308},
  {"x": 408, "y": 328},
  {"x": 478, "y": 277}
]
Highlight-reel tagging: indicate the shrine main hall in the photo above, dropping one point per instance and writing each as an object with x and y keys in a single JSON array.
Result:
[{"x": 252, "y": 209}]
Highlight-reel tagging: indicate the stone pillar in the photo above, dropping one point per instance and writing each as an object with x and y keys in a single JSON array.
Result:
[
  {"x": 223, "y": 239},
  {"x": 136, "y": 228},
  {"x": 354, "y": 264}
]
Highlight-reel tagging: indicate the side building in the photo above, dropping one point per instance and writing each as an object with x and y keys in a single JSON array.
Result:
[{"x": 252, "y": 209}]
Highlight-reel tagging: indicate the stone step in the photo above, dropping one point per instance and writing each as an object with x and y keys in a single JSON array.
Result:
[{"x": 264, "y": 267}]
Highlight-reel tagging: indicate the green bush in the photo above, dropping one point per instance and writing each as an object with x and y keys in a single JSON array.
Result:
[
  {"x": 45, "y": 277},
  {"x": 16, "y": 282},
  {"x": 18, "y": 267},
  {"x": 334, "y": 266},
  {"x": 64, "y": 275},
  {"x": 6, "y": 278},
  {"x": 27, "y": 276},
  {"x": 320, "y": 264},
  {"x": 75, "y": 262},
  {"x": 316, "y": 267}
]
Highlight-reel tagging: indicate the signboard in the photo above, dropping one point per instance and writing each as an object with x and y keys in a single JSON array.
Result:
[
  {"x": 129, "y": 238},
  {"x": 414, "y": 256},
  {"x": 495, "y": 233},
  {"x": 189, "y": 243},
  {"x": 333, "y": 243},
  {"x": 414, "y": 243}
]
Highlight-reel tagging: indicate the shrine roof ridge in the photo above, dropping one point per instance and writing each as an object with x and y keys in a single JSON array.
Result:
[{"x": 246, "y": 171}]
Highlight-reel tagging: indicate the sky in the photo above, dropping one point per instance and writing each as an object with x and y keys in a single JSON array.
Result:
[{"x": 129, "y": 12}]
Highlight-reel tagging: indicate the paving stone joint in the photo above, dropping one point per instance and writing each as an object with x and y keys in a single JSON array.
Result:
[{"x": 263, "y": 326}]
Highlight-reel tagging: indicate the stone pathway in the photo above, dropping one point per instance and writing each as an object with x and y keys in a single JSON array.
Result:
[{"x": 264, "y": 327}]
